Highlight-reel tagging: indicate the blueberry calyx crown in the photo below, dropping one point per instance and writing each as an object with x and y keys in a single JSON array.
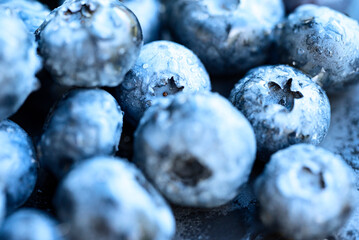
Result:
[
  {"x": 85, "y": 9},
  {"x": 284, "y": 96}
]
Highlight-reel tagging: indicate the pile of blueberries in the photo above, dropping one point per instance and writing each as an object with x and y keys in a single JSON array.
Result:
[{"x": 121, "y": 125}]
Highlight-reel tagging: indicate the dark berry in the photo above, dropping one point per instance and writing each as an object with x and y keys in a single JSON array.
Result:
[
  {"x": 163, "y": 68},
  {"x": 18, "y": 164},
  {"x": 229, "y": 36},
  {"x": 108, "y": 198},
  {"x": 323, "y": 44},
  {"x": 284, "y": 106},
  {"x": 306, "y": 192},
  {"x": 90, "y": 43},
  {"x": 84, "y": 124},
  {"x": 196, "y": 149}
]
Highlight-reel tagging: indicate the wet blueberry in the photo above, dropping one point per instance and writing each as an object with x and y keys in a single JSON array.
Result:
[
  {"x": 84, "y": 124},
  {"x": 229, "y": 36},
  {"x": 31, "y": 12},
  {"x": 322, "y": 43},
  {"x": 18, "y": 165},
  {"x": 196, "y": 149},
  {"x": 108, "y": 198},
  {"x": 284, "y": 106},
  {"x": 305, "y": 192},
  {"x": 90, "y": 42},
  {"x": 163, "y": 68},
  {"x": 29, "y": 224},
  {"x": 18, "y": 63}
]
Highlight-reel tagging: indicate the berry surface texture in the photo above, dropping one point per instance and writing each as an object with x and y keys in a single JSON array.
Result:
[{"x": 179, "y": 119}]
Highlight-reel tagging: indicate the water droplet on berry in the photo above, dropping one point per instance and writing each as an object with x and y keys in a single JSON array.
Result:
[
  {"x": 121, "y": 51},
  {"x": 9, "y": 130}
]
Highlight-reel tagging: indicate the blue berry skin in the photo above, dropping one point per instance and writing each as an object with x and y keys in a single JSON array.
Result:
[
  {"x": 109, "y": 198},
  {"x": 84, "y": 124},
  {"x": 90, "y": 43},
  {"x": 29, "y": 224},
  {"x": 31, "y": 12},
  {"x": 196, "y": 149},
  {"x": 323, "y": 43},
  {"x": 284, "y": 106},
  {"x": 148, "y": 14},
  {"x": 163, "y": 68},
  {"x": 18, "y": 164},
  {"x": 2, "y": 207},
  {"x": 306, "y": 192},
  {"x": 18, "y": 63},
  {"x": 229, "y": 36}
]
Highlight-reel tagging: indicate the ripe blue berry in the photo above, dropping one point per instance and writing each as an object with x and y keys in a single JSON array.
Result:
[
  {"x": 196, "y": 149},
  {"x": 323, "y": 43},
  {"x": 90, "y": 43},
  {"x": 18, "y": 165},
  {"x": 85, "y": 123},
  {"x": 108, "y": 198},
  {"x": 229, "y": 36},
  {"x": 163, "y": 68},
  {"x": 29, "y": 224},
  {"x": 305, "y": 192},
  {"x": 18, "y": 63},
  {"x": 31, "y": 12},
  {"x": 284, "y": 106}
]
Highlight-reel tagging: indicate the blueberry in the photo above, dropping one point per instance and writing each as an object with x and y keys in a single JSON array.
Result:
[
  {"x": 196, "y": 149},
  {"x": 322, "y": 43},
  {"x": 305, "y": 192},
  {"x": 90, "y": 42},
  {"x": 108, "y": 198},
  {"x": 18, "y": 165},
  {"x": 18, "y": 63},
  {"x": 229, "y": 36},
  {"x": 29, "y": 224},
  {"x": 284, "y": 106},
  {"x": 31, "y": 12},
  {"x": 163, "y": 68},
  {"x": 85, "y": 123}
]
